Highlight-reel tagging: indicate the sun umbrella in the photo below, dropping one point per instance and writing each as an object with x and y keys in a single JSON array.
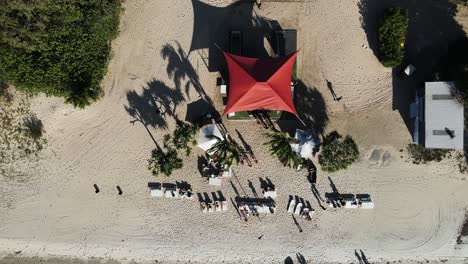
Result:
[{"x": 209, "y": 135}]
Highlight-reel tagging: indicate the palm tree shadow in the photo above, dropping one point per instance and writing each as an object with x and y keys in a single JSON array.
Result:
[
  {"x": 154, "y": 105},
  {"x": 179, "y": 68}
]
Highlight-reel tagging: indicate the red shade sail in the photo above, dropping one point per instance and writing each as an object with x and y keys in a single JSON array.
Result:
[{"x": 260, "y": 84}]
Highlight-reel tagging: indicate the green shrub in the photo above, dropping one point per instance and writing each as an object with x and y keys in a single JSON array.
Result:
[
  {"x": 34, "y": 127},
  {"x": 420, "y": 154},
  {"x": 57, "y": 47},
  {"x": 337, "y": 153},
  {"x": 391, "y": 36},
  {"x": 164, "y": 162}
]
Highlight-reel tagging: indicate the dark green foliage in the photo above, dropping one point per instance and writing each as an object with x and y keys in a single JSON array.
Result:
[
  {"x": 34, "y": 127},
  {"x": 337, "y": 153},
  {"x": 225, "y": 152},
  {"x": 391, "y": 36},
  {"x": 183, "y": 136},
  {"x": 280, "y": 145},
  {"x": 420, "y": 154},
  {"x": 57, "y": 47},
  {"x": 164, "y": 162}
]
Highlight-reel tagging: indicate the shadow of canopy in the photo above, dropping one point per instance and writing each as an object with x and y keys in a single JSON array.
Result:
[{"x": 212, "y": 26}]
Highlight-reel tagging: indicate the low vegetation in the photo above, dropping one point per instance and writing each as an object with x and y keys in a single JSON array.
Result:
[
  {"x": 421, "y": 155},
  {"x": 280, "y": 145},
  {"x": 57, "y": 47},
  {"x": 21, "y": 132},
  {"x": 337, "y": 153},
  {"x": 391, "y": 36}
]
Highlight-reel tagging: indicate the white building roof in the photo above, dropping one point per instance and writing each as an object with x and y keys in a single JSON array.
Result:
[{"x": 443, "y": 116}]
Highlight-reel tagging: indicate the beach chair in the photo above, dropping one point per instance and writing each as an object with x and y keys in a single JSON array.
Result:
[
  {"x": 291, "y": 206},
  {"x": 203, "y": 207},
  {"x": 172, "y": 193},
  {"x": 157, "y": 192},
  {"x": 218, "y": 207},
  {"x": 216, "y": 181},
  {"x": 366, "y": 203},
  {"x": 298, "y": 209},
  {"x": 270, "y": 194},
  {"x": 210, "y": 207},
  {"x": 224, "y": 205}
]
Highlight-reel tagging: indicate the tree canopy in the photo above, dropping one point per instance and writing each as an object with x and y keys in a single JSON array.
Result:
[
  {"x": 337, "y": 153},
  {"x": 57, "y": 47},
  {"x": 391, "y": 36}
]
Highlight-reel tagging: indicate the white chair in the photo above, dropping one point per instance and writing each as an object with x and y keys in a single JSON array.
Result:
[
  {"x": 203, "y": 207},
  {"x": 292, "y": 204},
  {"x": 270, "y": 194},
  {"x": 218, "y": 206},
  {"x": 224, "y": 205},
  {"x": 215, "y": 181},
  {"x": 298, "y": 209},
  {"x": 157, "y": 192},
  {"x": 223, "y": 89}
]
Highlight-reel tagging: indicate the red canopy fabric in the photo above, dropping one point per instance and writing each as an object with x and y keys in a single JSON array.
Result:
[{"x": 260, "y": 84}]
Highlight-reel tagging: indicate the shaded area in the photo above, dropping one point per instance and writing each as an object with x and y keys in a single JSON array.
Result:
[
  {"x": 181, "y": 71},
  {"x": 212, "y": 26},
  {"x": 154, "y": 105},
  {"x": 311, "y": 107},
  {"x": 431, "y": 29}
]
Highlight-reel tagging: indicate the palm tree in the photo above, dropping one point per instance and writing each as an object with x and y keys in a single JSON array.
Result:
[
  {"x": 226, "y": 152},
  {"x": 280, "y": 145},
  {"x": 183, "y": 136}
]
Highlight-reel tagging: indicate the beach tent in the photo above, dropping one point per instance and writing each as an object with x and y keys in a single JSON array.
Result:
[
  {"x": 307, "y": 143},
  {"x": 209, "y": 135},
  {"x": 260, "y": 84}
]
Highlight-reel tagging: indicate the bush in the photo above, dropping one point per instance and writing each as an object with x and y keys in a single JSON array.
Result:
[
  {"x": 420, "y": 154},
  {"x": 336, "y": 153},
  {"x": 57, "y": 47},
  {"x": 34, "y": 127},
  {"x": 164, "y": 162},
  {"x": 391, "y": 36}
]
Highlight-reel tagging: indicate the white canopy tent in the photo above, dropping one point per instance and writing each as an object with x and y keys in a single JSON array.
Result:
[
  {"x": 209, "y": 135},
  {"x": 307, "y": 143}
]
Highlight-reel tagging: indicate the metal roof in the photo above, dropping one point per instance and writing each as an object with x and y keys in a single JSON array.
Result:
[{"x": 443, "y": 116}]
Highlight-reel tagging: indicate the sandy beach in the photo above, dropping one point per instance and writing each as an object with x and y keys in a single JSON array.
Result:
[{"x": 51, "y": 210}]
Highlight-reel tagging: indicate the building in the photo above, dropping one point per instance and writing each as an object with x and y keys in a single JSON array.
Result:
[{"x": 443, "y": 119}]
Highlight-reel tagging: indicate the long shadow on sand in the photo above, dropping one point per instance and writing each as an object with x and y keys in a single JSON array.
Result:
[
  {"x": 180, "y": 69},
  {"x": 431, "y": 29}
]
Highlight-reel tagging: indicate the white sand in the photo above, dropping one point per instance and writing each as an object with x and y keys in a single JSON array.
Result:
[{"x": 55, "y": 212}]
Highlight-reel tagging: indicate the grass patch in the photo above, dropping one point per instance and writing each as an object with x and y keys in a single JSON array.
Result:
[{"x": 419, "y": 154}]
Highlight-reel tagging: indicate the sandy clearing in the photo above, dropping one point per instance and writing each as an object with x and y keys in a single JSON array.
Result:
[{"x": 56, "y": 213}]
